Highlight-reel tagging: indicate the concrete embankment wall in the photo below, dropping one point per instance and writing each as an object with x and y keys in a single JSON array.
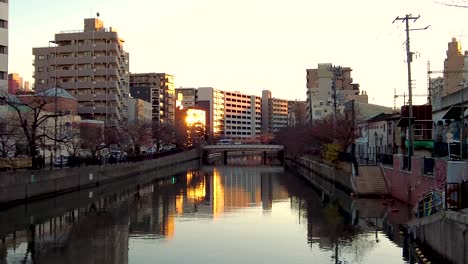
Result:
[
  {"x": 24, "y": 185},
  {"x": 333, "y": 183},
  {"x": 446, "y": 233},
  {"x": 315, "y": 171},
  {"x": 21, "y": 216}
]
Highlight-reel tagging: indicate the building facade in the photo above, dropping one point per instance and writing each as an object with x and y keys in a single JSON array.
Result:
[
  {"x": 242, "y": 116},
  {"x": 455, "y": 67},
  {"x": 213, "y": 102},
  {"x": 274, "y": 113},
  {"x": 92, "y": 66},
  {"x": 3, "y": 51},
  {"x": 296, "y": 113},
  {"x": 15, "y": 83},
  {"x": 139, "y": 111},
  {"x": 162, "y": 94},
  {"x": 189, "y": 97},
  {"x": 327, "y": 85}
]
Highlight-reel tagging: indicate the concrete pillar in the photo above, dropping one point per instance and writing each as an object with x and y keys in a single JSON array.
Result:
[
  {"x": 225, "y": 157},
  {"x": 264, "y": 157}
]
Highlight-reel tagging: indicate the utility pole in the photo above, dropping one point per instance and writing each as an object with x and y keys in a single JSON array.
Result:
[{"x": 409, "y": 59}]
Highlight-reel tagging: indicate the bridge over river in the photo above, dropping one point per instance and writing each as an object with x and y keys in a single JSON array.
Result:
[{"x": 225, "y": 149}]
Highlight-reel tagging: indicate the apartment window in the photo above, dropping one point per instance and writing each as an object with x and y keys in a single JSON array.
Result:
[
  {"x": 41, "y": 57},
  {"x": 3, "y": 49},
  {"x": 40, "y": 69},
  {"x": 41, "y": 81},
  {"x": 4, "y": 1},
  {"x": 3, "y": 75},
  {"x": 3, "y": 23}
]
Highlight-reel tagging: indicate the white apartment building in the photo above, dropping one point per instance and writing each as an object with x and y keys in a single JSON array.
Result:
[{"x": 243, "y": 118}]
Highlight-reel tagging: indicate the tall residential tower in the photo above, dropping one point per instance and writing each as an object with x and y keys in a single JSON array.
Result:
[{"x": 90, "y": 64}]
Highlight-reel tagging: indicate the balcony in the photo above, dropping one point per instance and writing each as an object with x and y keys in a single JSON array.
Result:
[
  {"x": 106, "y": 72},
  {"x": 97, "y": 97},
  {"x": 65, "y": 49},
  {"x": 98, "y": 110},
  {"x": 66, "y": 73},
  {"x": 85, "y": 73},
  {"x": 64, "y": 61},
  {"x": 106, "y": 59}
]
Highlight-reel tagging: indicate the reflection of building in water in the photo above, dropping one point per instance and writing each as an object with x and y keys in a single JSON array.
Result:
[
  {"x": 267, "y": 191},
  {"x": 207, "y": 193},
  {"x": 214, "y": 191},
  {"x": 154, "y": 213},
  {"x": 98, "y": 237}
]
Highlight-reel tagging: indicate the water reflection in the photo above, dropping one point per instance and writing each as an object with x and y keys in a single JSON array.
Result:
[{"x": 224, "y": 214}]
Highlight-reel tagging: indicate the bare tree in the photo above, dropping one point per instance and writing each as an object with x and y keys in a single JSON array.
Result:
[
  {"x": 163, "y": 133},
  {"x": 327, "y": 131},
  {"x": 10, "y": 135},
  {"x": 71, "y": 140},
  {"x": 139, "y": 134},
  {"x": 95, "y": 138},
  {"x": 31, "y": 117}
]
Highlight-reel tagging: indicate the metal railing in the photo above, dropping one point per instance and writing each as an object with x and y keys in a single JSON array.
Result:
[
  {"x": 375, "y": 159},
  {"x": 386, "y": 159},
  {"x": 430, "y": 202}
]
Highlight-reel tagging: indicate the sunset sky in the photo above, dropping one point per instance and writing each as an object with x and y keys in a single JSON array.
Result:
[{"x": 251, "y": 45}]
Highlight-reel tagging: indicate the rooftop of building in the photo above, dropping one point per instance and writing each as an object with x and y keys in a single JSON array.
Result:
[{"x": 53, "y": 92}]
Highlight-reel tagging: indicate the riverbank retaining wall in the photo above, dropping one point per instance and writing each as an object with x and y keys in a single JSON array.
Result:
[
  {"x": 25, "y": 185},
  {"x": 445, "y": 233},
  {"x": 315, "y": 171}
]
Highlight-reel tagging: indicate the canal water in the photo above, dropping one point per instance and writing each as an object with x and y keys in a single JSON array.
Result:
[{"x": 244, "y": 212}]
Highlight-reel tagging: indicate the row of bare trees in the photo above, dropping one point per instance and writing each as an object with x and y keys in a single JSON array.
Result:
[
  {"x": 32, "y": 124},
  {"x": 311, "y": 139}
]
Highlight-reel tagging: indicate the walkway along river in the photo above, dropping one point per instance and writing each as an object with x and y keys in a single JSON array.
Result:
[{"x": 243, "y": 212}]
